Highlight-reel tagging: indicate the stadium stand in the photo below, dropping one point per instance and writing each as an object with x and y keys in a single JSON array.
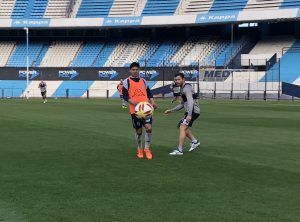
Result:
[
  {"x": 102, "y": 58},
  {"x": 153, "y": 46},
  {"x": 194, "y": 6},
  {"x": 123, "y": 8},
  {"x": 231, "y": 51},
  {"x": 57, "y": 9},
  {"x": 29, "y": 9},
  {"x": 61, "y": 54},
  {"x": 6, "y": 49},
  {"x": 6, "y": 8},
  {"x": 41, "y": 55},
  {"x": 126, "y": 52},
  {"x": 263, "y": 4},
  {"x": 87, "y": 54},
  {"x": 38, "y": 9},
  {"x": 203, "y": 50},
  {"x": 265, "y": 49},
  {"x": 290, "y": 4},
  {"x": 199, "y": 51},
  {"x": 18, "y": 57},
  {"x": 212, "y": 59},
  {"x": 164, "y": 53},
  {"x": 18, "y": 9},
  {"x": 183, "y": 51},
  {"x": 160, "y": 7},
  {"x": 225, "y": 5},
  {"x": 94, "y": 8}
]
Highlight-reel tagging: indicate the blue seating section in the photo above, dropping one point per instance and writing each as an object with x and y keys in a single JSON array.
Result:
[
  {"x": 228, "y": 54},
  {"x": 38, "y": 8},
  {"x": 153, "y": 46},
  {"x": 94, "y": 8},
  {"x": 290, "y": 4},
  {"x": 40, "y": 57},
  {"x": 225, "y": 5},
  {"x": 101, "y": 8},
  {"x": 164, "y": 53},
  {"x": 104, "y": 54},
  {"x": 29, "y": 9},
  {"x": 160, "y": 7},
  {"x": 20, "y": 9},
  {"x": 87, "y": 54},
  {"x": 19, "y": 59},
  {"x": 212, "y": 58}
]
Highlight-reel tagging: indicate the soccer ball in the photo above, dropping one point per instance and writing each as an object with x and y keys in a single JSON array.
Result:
[{"x": 144, "y": 110}]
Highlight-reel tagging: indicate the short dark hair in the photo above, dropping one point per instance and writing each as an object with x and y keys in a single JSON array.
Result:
[
  {"x": 134, "y": 64},
  {"x": 179, "y": 74}
]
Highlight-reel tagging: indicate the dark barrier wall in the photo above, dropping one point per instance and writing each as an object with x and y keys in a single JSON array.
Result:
[
  {"x": 290, "y": 89},
  {"x": 110, "y": 74}
]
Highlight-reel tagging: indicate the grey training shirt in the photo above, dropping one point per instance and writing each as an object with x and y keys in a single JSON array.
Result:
[{"x": 189, "y": 100}]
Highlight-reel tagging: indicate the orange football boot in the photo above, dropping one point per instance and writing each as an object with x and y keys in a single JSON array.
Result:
[
  {"x": 148, "y": 154},
  {"x": 140, "y": 153}
]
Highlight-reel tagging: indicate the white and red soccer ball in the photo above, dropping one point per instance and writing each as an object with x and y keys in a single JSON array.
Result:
[{"x": 144, "y": 110}]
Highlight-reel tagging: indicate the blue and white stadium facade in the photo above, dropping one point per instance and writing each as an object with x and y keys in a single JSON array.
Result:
[{"x": 82, "y": 47}]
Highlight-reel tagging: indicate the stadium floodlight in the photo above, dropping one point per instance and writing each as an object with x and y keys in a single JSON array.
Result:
[{"x": 27, "y": 62}]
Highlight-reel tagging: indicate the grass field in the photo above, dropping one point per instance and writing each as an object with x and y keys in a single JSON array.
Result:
[{"x": 74, "y": 160}]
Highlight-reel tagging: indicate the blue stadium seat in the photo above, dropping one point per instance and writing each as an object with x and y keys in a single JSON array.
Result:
[
  {"x": 225, "y": 5},
  {"x": 160, "y": 7},
  {"x": 20, "y": 9},
  {"x": 104, "y": 54},
  {"x": 40, "y": 57},
  {"x": 87, "y": 54},
  {"x": 290, "y": 4},
  {"x": 29, "y": 9},
  {"x": 94, "y": 8},
  {"x": 19, "y": 59},
  {"x": 164, "y": 53},
  {"x": 38, "y": 8}
]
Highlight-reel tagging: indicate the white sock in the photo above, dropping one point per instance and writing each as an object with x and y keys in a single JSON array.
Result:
[{"x": 148, "y": 137}]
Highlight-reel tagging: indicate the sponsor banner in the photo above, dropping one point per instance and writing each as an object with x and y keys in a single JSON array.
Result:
[
  {"x": 86, "y": 74},
  {"x": 216, "y": 17},
  {"x": 114, "y": 73},
  {"x": 122, "y": 21},
  {"x": 206, "y": 18},
  {"x": 30, "y": 23},
  {"x": 216, "y": 74}
]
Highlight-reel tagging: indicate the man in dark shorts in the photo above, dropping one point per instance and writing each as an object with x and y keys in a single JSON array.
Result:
[
  {"x": 43, "y": 89},
  {"x": 135, "y": 90},
  {"x": 189, "y": 101}
]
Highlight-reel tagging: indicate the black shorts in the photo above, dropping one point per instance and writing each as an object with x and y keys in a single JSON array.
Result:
[
  {"x": 194, "y": 117},
  {"x": 121, "y": 96},
  {"x": 139, "y": 123},
  {"x": 43, "y": 93}
]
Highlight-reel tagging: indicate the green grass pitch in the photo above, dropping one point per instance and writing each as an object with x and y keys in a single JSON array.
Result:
[{"x": 74, "y": 160}]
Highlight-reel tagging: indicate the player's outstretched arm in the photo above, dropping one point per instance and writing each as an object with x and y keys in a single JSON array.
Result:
[{"x": 176, "y": 108}]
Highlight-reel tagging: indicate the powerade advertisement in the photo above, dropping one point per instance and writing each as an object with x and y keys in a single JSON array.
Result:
[{"x": 111, "y": 74}]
